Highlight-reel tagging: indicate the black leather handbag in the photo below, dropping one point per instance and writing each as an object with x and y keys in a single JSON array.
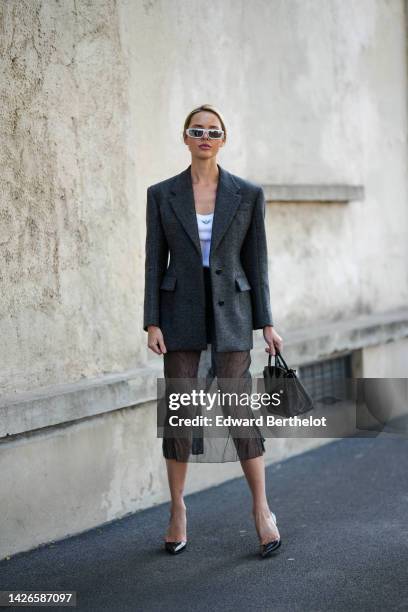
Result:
[{"x": 282, "y": 382}]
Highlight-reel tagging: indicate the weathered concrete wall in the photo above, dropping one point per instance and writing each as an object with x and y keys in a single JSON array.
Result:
[
  {"x": 67, "y": 216},
  {"x": 94, "y": 95},
  {"x": 389, "y": 361}
]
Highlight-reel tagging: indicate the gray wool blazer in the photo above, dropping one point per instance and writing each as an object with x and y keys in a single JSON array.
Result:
[{"x": 174, "y": 296}]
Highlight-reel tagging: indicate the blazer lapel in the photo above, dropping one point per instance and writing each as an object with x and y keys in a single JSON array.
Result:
[{"x": 227, "y": 200}]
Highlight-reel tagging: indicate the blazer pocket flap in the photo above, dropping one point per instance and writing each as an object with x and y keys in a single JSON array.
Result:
[
  {"x": 168, "y": 283},
  {"x": 242, "y": 283}
]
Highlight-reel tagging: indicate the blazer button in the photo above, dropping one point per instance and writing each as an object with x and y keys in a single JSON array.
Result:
[
  {"x": 218, "y": 271},
  {"x": 221, "y": 302}
]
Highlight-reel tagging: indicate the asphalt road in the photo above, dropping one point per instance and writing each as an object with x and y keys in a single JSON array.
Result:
[{"x": 342, "y": 511}]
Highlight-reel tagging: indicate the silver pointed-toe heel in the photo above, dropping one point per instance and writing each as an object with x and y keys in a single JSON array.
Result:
[
  {"x": 175, "y": 547},
  {"x": 270, "y": 547}
]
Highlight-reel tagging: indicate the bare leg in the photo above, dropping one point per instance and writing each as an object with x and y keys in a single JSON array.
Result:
[
  {"x": 232, "y": 366},
  {"x": 178, "y": 365},
  {"x": 177, "y": 529},
  {"x": 254, "y": 470}
]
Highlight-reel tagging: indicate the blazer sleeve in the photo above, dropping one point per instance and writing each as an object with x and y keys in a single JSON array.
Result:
[
  {"x": 254, "y": 259},
  {"x": 156, "y": 257}
]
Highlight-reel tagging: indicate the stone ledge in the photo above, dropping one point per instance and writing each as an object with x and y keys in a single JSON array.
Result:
[
  {"x": 54, "y": 405},
  {"x": 313, "y": 193}
]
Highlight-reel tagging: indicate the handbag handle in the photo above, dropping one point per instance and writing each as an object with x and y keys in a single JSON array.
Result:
[{"x": 277, "y": 356}]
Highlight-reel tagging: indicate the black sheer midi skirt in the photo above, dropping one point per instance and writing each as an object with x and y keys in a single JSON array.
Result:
[{"x": 227, "y": 372}]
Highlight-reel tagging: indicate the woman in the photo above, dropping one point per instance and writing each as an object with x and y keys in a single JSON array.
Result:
[{"x": 214, "y": 291}]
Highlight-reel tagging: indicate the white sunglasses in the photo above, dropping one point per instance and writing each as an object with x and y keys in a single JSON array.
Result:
[{"x": 213, "y": 134}]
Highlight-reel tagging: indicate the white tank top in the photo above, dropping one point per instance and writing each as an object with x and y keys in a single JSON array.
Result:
[{"x": 204, "y": 223}]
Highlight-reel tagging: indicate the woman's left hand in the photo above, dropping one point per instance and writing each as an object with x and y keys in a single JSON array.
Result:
[{"x": 273, "y": 339}]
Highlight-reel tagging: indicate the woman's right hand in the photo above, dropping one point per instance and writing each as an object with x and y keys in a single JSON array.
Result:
[{"x": 155, "y": 340}]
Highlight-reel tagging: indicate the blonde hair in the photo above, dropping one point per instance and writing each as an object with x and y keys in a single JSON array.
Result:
[{"x": 205, "y": 107}]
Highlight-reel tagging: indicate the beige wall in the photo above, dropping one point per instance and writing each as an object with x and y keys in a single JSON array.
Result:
[{"x": 96, "y": 93}]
